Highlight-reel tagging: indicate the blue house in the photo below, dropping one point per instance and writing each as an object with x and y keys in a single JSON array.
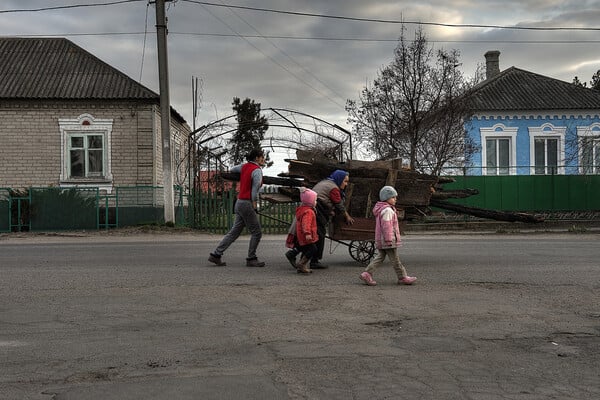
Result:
[{"x": 529, "y": 124}]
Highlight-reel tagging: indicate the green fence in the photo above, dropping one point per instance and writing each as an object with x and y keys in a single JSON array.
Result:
[
  {"x": 63, "y": 209},
  {"x": 14, "y": 210},
  {"x": 214, "y": 212},
  {"x": 539, "y": 193},
  {"x": 139, "y": 205},
  {"x": 5, "y": 209},
  {"x": 276, "y": 218},
  {"x": 47, "y": 209},
  {"x": 143, "y": 205}
]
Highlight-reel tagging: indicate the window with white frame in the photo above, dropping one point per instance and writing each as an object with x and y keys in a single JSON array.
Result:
[
  {"x": 85, "y": 150},
  {"x": 86, "y": 156},
  {"x": 498, "y": 150},
  {"x": 547, "y": 149},
  {"x": 589, "y": 148}
]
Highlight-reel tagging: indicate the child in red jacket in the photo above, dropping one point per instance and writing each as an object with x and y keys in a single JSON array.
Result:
[{"x": 306, "y": 229}]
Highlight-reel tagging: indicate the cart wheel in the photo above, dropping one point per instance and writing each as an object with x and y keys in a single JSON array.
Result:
[{"x": 362, "y": 250}]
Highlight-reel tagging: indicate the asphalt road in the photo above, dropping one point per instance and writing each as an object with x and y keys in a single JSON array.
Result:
[{"x": 88, "y": 316}]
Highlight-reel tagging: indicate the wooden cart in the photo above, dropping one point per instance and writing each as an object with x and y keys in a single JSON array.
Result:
[{"x": 358, "y": 237}]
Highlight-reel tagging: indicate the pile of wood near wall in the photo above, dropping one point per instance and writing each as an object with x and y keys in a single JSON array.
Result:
[{"x": 416, "y": 191}]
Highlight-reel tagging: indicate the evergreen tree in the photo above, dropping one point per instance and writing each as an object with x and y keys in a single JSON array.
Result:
[{"x": 250, "y": 130}]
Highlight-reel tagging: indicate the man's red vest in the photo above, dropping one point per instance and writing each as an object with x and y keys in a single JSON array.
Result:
[{"x": 246, "y": 181}]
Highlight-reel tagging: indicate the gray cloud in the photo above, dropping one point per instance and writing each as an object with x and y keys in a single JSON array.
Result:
[{"x": 321, "y": 75}]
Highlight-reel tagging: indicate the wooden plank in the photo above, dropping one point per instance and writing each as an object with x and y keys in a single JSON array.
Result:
[
  {"x": 391, "y": 177},
  {"x": 267, "y": 180},
  {"x": 276, "y": 198},
  {"x": 361, "y": 229},
  {"x": 486, "y": 213},
  {"x": 316, "y": 170},
  {"x": 453, "y": 194},
  {"x": 349, "y": 190}
]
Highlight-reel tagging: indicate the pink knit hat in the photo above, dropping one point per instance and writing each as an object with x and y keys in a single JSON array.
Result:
[{"x": 308, "y": 197}]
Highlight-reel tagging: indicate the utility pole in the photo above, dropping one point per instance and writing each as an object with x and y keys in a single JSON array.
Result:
[{"x": 165, "y": 110}]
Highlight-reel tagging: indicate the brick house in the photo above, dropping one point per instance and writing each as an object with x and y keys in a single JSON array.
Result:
[{"x": 68, "y": 119}]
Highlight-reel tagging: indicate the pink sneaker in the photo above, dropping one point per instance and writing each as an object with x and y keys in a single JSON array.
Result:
[
  {"x": 365, "y": 276},
  {"x": 407, "y": 280}
]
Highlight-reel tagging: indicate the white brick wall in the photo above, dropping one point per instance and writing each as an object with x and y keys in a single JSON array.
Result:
[{"x": 30, "y": 141}]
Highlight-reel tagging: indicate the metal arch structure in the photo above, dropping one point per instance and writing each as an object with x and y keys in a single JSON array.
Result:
[
  {"x": 288, "y": 129},
  {"x": 334, "y": 132}
]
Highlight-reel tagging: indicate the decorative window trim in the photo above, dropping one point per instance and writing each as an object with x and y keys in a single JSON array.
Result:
[
  {"x": 86, "y": 124},
  {"x": 499, "y": 131},
  {"x": 592, "y": 130},
  {"x": 546, "y": 131}
]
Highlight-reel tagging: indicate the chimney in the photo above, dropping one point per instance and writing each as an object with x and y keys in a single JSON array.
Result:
[{"x": 492, "y": 64}]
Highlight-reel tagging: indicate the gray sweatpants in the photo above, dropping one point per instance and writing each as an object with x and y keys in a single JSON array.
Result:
[{"x": 245, "y": 216}]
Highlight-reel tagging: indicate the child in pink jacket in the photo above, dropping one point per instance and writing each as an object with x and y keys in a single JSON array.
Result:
[
  {"x": 387, "y": 238},
  {"x": 306, "y": 229}
]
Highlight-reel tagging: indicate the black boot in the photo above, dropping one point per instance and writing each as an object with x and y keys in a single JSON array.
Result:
[
  {"x": 316, "y": 264},
  {"x": 291, "y": 256},
  {"x": 253, "y": 262}
]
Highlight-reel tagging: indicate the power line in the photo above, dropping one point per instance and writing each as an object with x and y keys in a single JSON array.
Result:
[
  {"x": 340, "y": 17},
  {"x": 386, "y": 21},
  {"x": 68, "y": 6},
  {"x": 288, "y": 56},
  {"x": 316, "y": 38},
  {"x": 69, "y": 34},
  {"x": 357, "y": 39},
  {"x": 273, "y": 60},
  {"x": 144, "y": 44}
]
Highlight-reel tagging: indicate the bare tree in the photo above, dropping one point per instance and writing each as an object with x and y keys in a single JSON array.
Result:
[
  {"x": 594, "y": 83},
  {"x": 415, "y": 109}
]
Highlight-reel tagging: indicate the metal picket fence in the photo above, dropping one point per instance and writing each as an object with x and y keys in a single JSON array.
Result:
[
  {"x": 14, "y": 210},
  {"x": 5, "y": 210},
  {"x": 214, "y": 212},
  {"x": 57, "y": 209},
  {"x": 211, "y": 209}
]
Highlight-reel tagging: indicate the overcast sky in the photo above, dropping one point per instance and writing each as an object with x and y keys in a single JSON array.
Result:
[{"x": 236, "y": 53}]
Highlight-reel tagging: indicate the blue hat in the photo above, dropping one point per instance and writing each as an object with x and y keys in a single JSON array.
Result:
[{"x": 338, "y": 176}]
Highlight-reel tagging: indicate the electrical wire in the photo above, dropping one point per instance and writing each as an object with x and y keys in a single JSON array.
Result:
[
  {"x": 288, "y": 56},
  {"x": 274, "y": 60},
  {"x": 340, "y": 17},
  {"x": 357, "y": 39},
  {"x": 386, "y": 21},
  {"x": 316, "y": 38},
  {"x": 68, "y": 6},
  {"x": 144, "y": 43}
]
